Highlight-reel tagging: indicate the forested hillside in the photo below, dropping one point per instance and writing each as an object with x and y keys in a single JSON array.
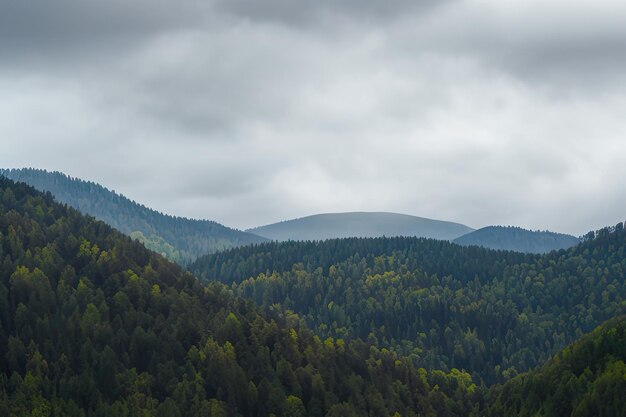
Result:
[
  {"x": 94, "y": 324},
  {"x": 586, "y": 379},
  {"x": 517, "y": 239},
  {"x": 360, "y": 224},
  {"x": 179, "y": 239},
  {"x": 493, "y": 313}
]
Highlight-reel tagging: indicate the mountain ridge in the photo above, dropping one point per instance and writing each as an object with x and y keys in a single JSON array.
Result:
[
  {"x": 92, "y": 323},
  {"x": 359, "y": 224},
  {"x": 517, "y": 239},
  {"x": 493, "y": 313},
  {"x": 178, "y": 238}
]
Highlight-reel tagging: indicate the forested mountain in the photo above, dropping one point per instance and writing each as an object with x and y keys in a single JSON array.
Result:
[
  {"x": 179, "y": 239},
  {"x": 517, "y": 239},
  {"x": 360, "y": 224},
  {"x": 586, "y": 379},
  {"x": 94, "y": 324},
  {"x": 493, "y": 313}
]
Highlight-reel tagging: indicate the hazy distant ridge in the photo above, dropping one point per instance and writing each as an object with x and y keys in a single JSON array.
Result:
[
  {"x": 360, "y": 224},
  {"x": 178, "y": 238},
  {"x": 517, "y": 239}
]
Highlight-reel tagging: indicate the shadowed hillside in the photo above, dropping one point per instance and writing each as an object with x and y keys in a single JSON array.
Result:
[
  {"x": 588, "y": 378},
  {"x": 94, "y": 324}
]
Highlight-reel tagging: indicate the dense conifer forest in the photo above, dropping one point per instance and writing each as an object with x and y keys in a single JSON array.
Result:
[
  {"x": 324, "y": 130},
  {"x": 177, "y": 238},
  {"x": 493, "y": 313},
  {"x": 94, "y": 324},
  {"x": 586, "y": 379}
]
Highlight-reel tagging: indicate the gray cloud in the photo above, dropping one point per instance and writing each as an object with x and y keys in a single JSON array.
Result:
[
  {"x": 578, "y": 43},
  {"x": 478, "y": 111},
  {"x": 82, "y": 20},
  {"x": 309, "y": 14}
]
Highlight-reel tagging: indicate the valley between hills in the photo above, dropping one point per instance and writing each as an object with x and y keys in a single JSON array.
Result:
[{"x": 108, "y": 307}]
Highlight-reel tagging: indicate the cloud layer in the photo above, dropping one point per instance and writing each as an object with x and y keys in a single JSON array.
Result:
[{"x": 482, "y": 112}]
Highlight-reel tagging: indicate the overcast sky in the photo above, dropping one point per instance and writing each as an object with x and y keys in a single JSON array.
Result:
[{"x": 249, "y": 112}]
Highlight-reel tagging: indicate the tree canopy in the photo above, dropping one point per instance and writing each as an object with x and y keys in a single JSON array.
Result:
[
  {"x": 94, "y": 324},
  {"x": 177, "y": 238},
  {"x": 493, "y": 313}
]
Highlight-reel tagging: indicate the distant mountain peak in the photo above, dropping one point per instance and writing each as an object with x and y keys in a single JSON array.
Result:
[
  {"x": 517, "y": 239},
  {"x": 360, "y": 224}
]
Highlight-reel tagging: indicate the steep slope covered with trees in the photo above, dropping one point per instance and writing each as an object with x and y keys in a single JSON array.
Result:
[
  {"x": 517, "y": 239},
  {"x": 94, "y": 324},
  {"x": 178, "y": 238},
  {"x": 588, "y": 378},
  {"x": 493, "y": 313}
]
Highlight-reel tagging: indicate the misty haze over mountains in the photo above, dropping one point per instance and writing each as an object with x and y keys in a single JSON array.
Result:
[
  {"x": 360, "y": 224},
  {"x": 179, "y": 239},
  {"x": 517, "y": 239},
  {"x": 183, "y": 240}
]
